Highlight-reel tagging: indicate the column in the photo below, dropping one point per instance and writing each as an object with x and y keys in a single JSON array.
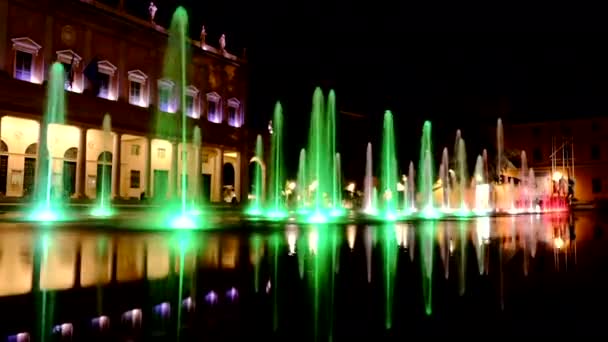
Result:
[
  {"x": 196, "y": 178},
  {"x": 220, "y": 176},
  {"x": 148, "y": 169},
  {"x": 4, "y": 35},
  {"x": 116, "y": 161},
  {"x": 174, "y": 176},
  {"x": 81, "y": 165}
]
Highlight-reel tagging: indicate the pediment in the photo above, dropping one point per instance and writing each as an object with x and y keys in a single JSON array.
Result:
[
  {"x": 26, "y": 44},
  {"x": 106, "y": 67}
]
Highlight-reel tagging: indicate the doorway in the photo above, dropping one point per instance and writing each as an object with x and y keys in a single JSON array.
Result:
[
  {"x": 161, "y": 184},
  {"x": 3, "y": 167},
  {"x": 69, "y": 171},
  {"x": 29, "y": 169},
  {"x": 206, "y": 187},
  {"x": 104, "y": 173}
]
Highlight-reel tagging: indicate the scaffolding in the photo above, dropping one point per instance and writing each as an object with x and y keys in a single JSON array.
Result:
[{"x": 562, "y": 162}]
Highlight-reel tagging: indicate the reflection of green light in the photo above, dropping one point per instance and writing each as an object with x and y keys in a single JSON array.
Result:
[
  {"x": 429, "y": 212},
  {"x": 183, "y": 222},
  {"x": 45, "y": 214},
  {"x": 337, "y": 212},
  {"x": 254, "y": 212},
  {"x": 317, "y": 217},
  {"x": 101, "y": 211}
]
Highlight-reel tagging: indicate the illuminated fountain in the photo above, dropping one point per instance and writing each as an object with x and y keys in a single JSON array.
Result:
[
  {"x": 174, "y": 123},
  {"x": 426, "y": 178},
  {"x": 388, "y": 169},
  {"x": 276, "y": 207},
  {"x": 255, "y": 207},
  {"x": 104, "y": 196},
  {"x": 48, "y": 205},
  {"x": 368, "y": 202}
]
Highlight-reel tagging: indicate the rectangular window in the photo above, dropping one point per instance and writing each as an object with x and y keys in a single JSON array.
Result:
[
  {"x": 211, "y": 111},
  {"x": 160, "y": 153},
  {"x": 232, "y": 115},
  {"x": 135, "y": 177},
  {"x": 596, "y": 185},
  {"x": 135, "y": 149},
  {"x": 67, "y": 67},
  {"x": 595, "y": 152},
  {"x": 135, "y": 93},
  {"x": 190, "y": 106},
  {"x": 164, "y": 96},
  {"x": 23, "y": 66},
  {"x": 104, "y": 85}
]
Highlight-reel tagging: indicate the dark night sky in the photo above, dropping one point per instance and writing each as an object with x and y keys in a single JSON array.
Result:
[{"x": 457, "y": 64}]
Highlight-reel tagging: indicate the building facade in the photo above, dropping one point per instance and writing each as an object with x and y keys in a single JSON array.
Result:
[
  {"x": 574, "y": 149},
  {"x": 129, "y": 54}
]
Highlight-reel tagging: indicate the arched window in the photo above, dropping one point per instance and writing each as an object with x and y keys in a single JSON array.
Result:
[
  {"x": 3, "y": 147},
  {"x": 104, "y": 157},
  {"x": 32, "y": 149},
  {"x": 71, "y": 154}
]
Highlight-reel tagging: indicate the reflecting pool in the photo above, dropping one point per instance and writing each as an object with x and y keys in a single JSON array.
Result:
[{"x": 517, "y": 276}]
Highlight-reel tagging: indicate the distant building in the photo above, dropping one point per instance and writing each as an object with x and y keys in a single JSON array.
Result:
[
  {"x": 128, "y": 53},
  {"x": 575, "y": 149}
]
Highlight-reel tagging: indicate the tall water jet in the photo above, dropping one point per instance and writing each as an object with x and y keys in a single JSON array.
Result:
[
  {"x": 523, "y": 182},
  {"x": 255, "y": 207},
  {"x": 531, "y": 190},
  {"x": 172, "y": 115},
  {"x": 277, "y": 176},
  {"x": 335, "y": 189},
  {"x": 500, "y": 142},
  {"x": 411, "y": 187},
  {"x": 103, "y": 207},
  {"x": 317, "y": 154},
  {"x": 388, "y": 167},
  {"x": 368, "y": 181},
  {"x": 302, "y": 182},
  {"x": 47, "y": 206},
  {"x": 425, "y": 175},
  {"x": 445, "y": 179},
  {"x": 462, "y": 172},
  {"x": 337, "y": 196},
  {"x": 480, "y": 187}
]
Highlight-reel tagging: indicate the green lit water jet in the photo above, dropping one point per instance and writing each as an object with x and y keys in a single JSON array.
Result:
[
  {"x": 103, "y": 207},
  {"x": 277, "y": 208},
  {"x": 302, "y": 182},
  {"x": 174, "y": 124},
  {"x": 255, "y": 208},
  {"x": 48, "y": 206},
  {"x": 334, "y": 159},
  {"x": 317, "y": 153},
  {"x": 388, "y": 167},
  {"x": 425, "y": 174}
]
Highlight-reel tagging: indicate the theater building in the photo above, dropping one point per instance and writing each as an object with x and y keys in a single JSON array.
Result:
[{"x": 128, "y": 52}]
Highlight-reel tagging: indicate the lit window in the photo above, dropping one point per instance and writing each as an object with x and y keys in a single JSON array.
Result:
[
  {"x": 70, "y": 61},
  {"x": 135, "y": 179},
  {"x": 234, "y": 118},
  {"x": 106, "y": 75},
  {"x": 191, "y": 102},
  {"x": 135, "y": 149},
  {"x": 25, "y": 51},
  {"x": 23, "y": 66},
  {"x": 137, "y": 86},
  {"x": 104, "y": 85},
  {"x": 165, "y": 89},
  {"x": 214, "y": 113},
  {"x": 160, "y": 153},
  {"x": 134, "y": 93}
]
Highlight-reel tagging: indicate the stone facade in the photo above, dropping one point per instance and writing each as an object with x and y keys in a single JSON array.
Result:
[{"x": 129, "y": 54}]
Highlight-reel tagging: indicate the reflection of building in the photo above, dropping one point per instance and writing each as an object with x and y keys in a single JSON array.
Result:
[
  {"x": 573, "y": 149},
  {"x": 131, "y": 89},
  {"x": 70, "y": 260}
]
